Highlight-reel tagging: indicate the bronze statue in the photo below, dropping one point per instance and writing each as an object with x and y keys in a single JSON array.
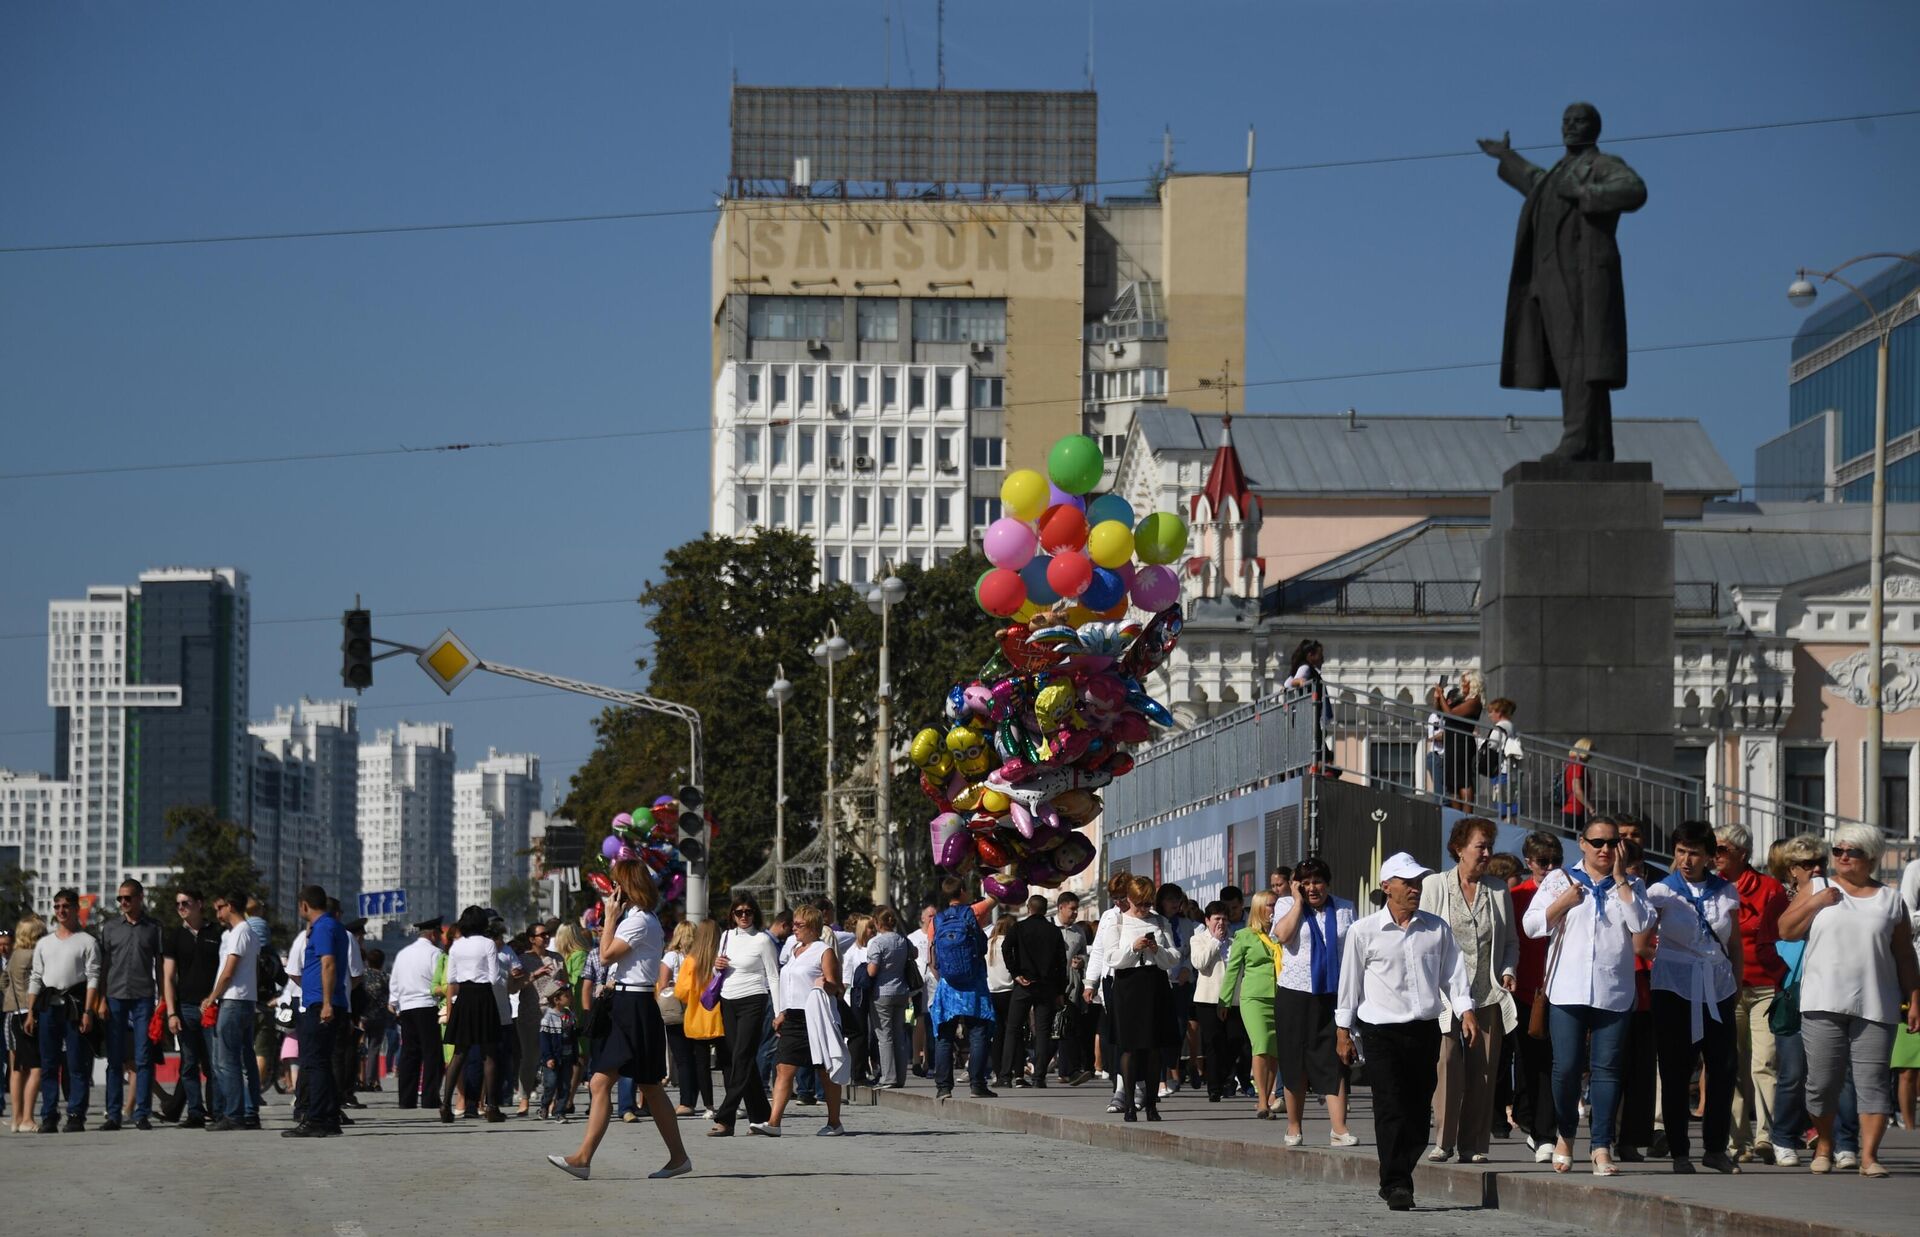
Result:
[{"x": 1566, "y": 306}]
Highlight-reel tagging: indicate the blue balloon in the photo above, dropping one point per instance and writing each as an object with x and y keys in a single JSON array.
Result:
[
  {"x": 1039, "y": 592},
  {"x": 1105, "y": 592},
  {"x": 1110, "y": 507}
]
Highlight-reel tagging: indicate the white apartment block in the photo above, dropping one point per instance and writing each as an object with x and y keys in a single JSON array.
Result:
[
  {"x": 40, "y": 831},
  {"x": 405, "y": 816},
  {"x": 870, "y": 460},
  {"x": 493, "y": 807},
  {"x": 306, "y": 800}
]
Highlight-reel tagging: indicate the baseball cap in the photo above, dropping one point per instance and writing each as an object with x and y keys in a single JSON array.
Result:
[{"x": 1403, "y": 866}]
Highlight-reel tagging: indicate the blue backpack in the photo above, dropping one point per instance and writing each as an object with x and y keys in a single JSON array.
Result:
[{"x": 957, "y": 946}]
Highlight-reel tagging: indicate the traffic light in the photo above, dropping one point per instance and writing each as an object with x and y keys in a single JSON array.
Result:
[
  {"x": 693, "y": 827},
  {"x": 356, "y": 649}
]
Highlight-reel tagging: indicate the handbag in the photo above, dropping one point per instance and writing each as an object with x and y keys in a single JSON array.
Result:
[
  {"x": 710, "y": 995},
  {"x": 1537, "y": 1012},
  {"x": 1783, "y": 1016}
]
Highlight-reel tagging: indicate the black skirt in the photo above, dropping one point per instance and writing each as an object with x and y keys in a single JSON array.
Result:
[
  {"x": 633, "y": 1043},
  {"x": 1304, "y": 1023},
  {"x": 475, "y": 1020},
  {"x": 1142, "y": 1008},
  {"x": 792, "y": 1047}
]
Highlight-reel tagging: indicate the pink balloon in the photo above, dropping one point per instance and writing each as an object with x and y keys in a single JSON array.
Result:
[
  {"x": 1155, "y": 588},
  {"x": 1010, "y": 543}
]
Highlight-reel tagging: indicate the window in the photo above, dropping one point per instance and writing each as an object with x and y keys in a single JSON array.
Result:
[
  {"x": 916, "y": 510},
  {"x": 988, "y": 392},
  {"x": 943, "y": 451},
  {"x": 1153, "y": 381},
  {"x": 917, "y": 391},
  {"x": 753, "y": 388},
  {"x": 862, "y": 390},
  {"x": 779, "y": 386},
  {"x": 1112, "y": 444},
  {"x": 954, "y": 321},
  {"x": 806, "y": 448},
  {"x": 989, "y": 452},
  {"x": 806, "y": 389},
  {"x": 917, "y": 449},
  {"x": 943, "y": 391},
  {"x": 833, "y": 508},
  {"x": 1805, "y": 777},
  {"x": 806, "y": 508},
  {"x": 832, "y": 569},
  {"x": 777, "y": 452},
  {"x": 889, "y": 511},
  {"x": 859, "y": 567},
  {"x": 889, "y": 448},
  {"x": 859, "y": 515},
  {"x": 836, "y": 445},
  {"x": 889, "y": 390},
  {"x": 863, "y": 444},
  {"x": 879, "y": 320},
  {"x": 779, "y": 508},
  {"x": 1690, "y": 760},
  {"x": 836, "y": 394},
  {"x": 750, "y": 447},
  {"x": 985, "y": 511},
  {"x": 752, "y": 508},
  {"x": 1894, "y": 763},
  {"x": 793, "y": 317},
  {"x": 943, "y": 510},
  {"x": 1390, "y": 763}
]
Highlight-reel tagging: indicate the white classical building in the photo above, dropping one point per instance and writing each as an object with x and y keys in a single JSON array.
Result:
[
  {"x": 405, "y": 816},
  {"x": 494, "y": 804}
]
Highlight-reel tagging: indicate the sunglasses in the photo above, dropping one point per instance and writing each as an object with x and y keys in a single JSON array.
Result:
[
  {"x": 129, "y": 897},
  {"x": 1601, "y": 843},
  {"x": 1848, "y": 852},
  {"x": 742, "y": 912}
]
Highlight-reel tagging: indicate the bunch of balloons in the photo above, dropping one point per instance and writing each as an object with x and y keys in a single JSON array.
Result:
[
  {"x": 1050, "y": 718},
  {"x": 646, "y": 833},
  {"x": 1057, "y": 545}
]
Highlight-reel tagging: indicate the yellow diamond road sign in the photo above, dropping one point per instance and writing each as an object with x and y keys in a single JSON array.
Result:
[{"x": 447, "y": 660}]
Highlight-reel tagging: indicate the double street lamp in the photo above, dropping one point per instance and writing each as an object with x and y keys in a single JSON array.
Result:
[
  {"x": 1802, "y": 293},
  {"x": 881, "y": 599},
  {"x": 830, "y": 652},
  {"x": 778, "y": 695}
]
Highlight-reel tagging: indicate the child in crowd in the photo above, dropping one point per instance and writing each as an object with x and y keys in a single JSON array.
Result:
[{"x": 559, "y": 1049}]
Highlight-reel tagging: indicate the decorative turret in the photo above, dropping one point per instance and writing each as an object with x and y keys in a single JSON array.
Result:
[{"x": 1225, "y": 517}]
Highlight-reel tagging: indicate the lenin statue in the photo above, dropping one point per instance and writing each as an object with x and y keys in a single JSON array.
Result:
[{"x": 1566, "y": 306}]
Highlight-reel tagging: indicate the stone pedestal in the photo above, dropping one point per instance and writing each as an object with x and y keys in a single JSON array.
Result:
[{"x": 1576, "y": 607}]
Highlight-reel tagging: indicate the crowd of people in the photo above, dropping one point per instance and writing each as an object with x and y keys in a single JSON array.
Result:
[{"x": 1775, "y": 1011}]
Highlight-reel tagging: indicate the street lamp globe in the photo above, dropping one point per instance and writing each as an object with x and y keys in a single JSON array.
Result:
[
  {"x": 1802, "y": 293},
  {"x": 886, "y": 594},
  {"x": 780, "y": 692}
]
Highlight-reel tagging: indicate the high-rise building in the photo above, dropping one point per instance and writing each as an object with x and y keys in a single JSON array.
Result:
[
  {"x": 405, "y": 820},
  {"x": 306, "y": 800},
  {"x": 913, "y": 293},
  {"x": 1826, "y": 454},
  {"x": 493, "y": 806}
]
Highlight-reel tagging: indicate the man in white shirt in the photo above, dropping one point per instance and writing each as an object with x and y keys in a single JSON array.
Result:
[
  {"x": 234, "y": 1068},
  {"x": 1399, "y": 965},
  {"x": 410, "y": 989}
]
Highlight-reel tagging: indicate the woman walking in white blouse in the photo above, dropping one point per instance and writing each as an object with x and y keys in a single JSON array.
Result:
[
  {"x": 1311, "y": 927},
  {"x": 1479, "y": 910},
  {"x": 1696, "y": 915},
  {"x": 1593, "y": 916},
  {"x": 1858, "y": 965},
  {"x": 752, "y": 968},
  {"x": 1139, "y": 958}
]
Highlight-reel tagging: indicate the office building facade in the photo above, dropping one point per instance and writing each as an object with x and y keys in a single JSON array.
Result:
[
  {"x": 493, "y": 808},
  {"x": 405, "y": 815}
]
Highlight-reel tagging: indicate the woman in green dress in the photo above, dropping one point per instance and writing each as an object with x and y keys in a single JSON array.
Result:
[{"x": 1251, "y": 981}]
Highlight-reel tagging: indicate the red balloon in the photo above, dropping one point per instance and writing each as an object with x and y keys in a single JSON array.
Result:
[
  {"x": 1001, "y": 592},
  {"x": 1069, "y": 573},
  {"x": 1063, "y": 528}
]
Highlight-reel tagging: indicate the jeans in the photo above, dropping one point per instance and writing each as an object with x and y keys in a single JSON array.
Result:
[
  {"x": 60, "y": 1035},
  {"x": 1569, "y": 1026},
  {"x": 978, "y": 1038},
  {"x": 316, "y": 1066},
  {"x": 890, "y": 1035},
  {"x": 126, "y": 1016},
  {"x": 234, "y": 1065},
  {"x": 626, "y": 1098},
  {"x": 553, "y": 1086},
  {"x": 199, "y": 1084}
]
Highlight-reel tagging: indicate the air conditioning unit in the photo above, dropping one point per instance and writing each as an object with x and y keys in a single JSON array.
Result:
[
  {"x": 834, "y": 461},
  {"x": 1116, "y": 348},
  {"x": 981, "y": 347},
  {"x": 948, "y": 466},
  {"x": 837, "y": 410},
  {"x": 816, "y": 345},
  {"x": 863, "y": 463}
]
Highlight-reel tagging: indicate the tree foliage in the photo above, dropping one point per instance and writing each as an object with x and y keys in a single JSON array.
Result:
[
  {"x": 727, "y": 616},
  {"x": 16, "y": 894},
  {"x": 211, "y": 855}
]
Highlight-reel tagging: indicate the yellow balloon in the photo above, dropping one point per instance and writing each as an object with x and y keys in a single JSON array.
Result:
[
  {"x": 1026, "y": 611},
  {"x": 1110, "y": 544},
  {"x": 1077, "y": 615},
  {"x": 1024, "y": 494},
  {"x": 995, "y": 802}
]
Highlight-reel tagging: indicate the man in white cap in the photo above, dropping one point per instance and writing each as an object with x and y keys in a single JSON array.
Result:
[{"x": 1398, "y": 966}]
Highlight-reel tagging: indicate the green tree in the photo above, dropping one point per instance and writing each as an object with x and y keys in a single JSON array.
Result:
[
  {"x": 211, "y": 855},
  {"x": 16, "y": 894},
  {"x": 517, "y": 901}
]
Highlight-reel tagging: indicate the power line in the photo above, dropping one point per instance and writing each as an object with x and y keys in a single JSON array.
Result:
[
  {"x": 692, "y": 211},
  {"x": 334, "y": 618}
]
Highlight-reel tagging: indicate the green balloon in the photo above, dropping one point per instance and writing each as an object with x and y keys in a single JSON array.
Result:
[
  {"x": 1075, "y": 464},
  {"x": 1160, "y": 538}
]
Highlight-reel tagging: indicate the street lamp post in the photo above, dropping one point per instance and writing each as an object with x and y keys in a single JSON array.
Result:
[
  {"x": 779, "y": 694},
  {"x": 1802, "y": 294},
  {"x": 881, "y": 599},
  {"x": 831, "y": 650}
]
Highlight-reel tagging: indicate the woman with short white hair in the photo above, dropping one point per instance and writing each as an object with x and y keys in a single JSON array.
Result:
[{"x": 1858, "y": 964}]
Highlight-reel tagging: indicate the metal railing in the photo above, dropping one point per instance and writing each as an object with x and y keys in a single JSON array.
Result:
[
  {"x": 1344, "y": 732},
  {"x": 1441, "y": 598}
]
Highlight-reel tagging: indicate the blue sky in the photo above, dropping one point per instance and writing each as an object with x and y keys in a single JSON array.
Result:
[{"x": 130, "y": 121}]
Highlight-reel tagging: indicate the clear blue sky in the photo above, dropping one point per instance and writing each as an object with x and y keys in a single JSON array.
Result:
[{"x": 130, "y": 121}]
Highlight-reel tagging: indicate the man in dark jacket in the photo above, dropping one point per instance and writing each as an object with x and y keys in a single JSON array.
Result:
[
  {"x": 1036, "y": 956},
  {"x": 1566, "y": 305}
]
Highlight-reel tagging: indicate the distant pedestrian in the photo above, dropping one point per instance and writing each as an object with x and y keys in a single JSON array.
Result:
[
  {"x": 323, "y": 1010},
  {"x": 559, "y": 1048},
  {"x": 410, "y": 991},
  {"x": 232, "y": 999},
  {"x": 1576, "y": 807},
  {"x": 23, "y": 1054},
  {"x": 1762, "y": 902},
  {"x": 187, "y": 970},
  {"x": 1253, "y": 967},
  {"x": 750, "y": 960},
  {"x": 1533, "y": 1051},
  {"x": 1036, "y": 956},
  {"x": 1207, "y": 954},
  {"x": 960, "y": 1009},
  {"x": 473, "y": 968},
  {"x": 1140, "y": 957},
  {"x": 131, "y": 949},
  {"x": 1311, "y": 927},
  {"x": 888, "y": 959},
  {"x": 807, "y": 1024},
  {"x": 62, "y": 989}
]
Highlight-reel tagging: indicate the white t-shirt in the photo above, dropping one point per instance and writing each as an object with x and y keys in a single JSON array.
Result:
[
  {"x": 1848, "y": 966},
  {"x": 238, "y": 942},
  {"x": 669, "y": 974},
  {"x": 640, "y": 966}
]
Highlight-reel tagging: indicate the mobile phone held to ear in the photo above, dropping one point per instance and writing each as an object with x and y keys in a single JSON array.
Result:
[{"x": 1442, "y": 681}]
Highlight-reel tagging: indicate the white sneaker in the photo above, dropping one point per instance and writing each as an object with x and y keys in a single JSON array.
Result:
[
  {"x": 1291, "y": 1140},
  {"x": 1165, "y": 1090},
  {"x": 1439, "y": 1155},
  {"x": 1786, "y": 1157},
  {"x": 1343, "y": 1140},
  {"x": 762, "y": 1128},
  {"x": 1543, "y": 1153},
  {"x": 1846, "y": 1161}
]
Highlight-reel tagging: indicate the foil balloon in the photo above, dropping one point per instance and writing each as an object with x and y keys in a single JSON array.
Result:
[
  {"x": 1004, "y": 887},
  {"x": 950, "y": 839}
]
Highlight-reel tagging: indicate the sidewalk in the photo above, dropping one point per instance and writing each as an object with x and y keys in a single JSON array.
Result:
[{"x": 1644, "y": 1199}]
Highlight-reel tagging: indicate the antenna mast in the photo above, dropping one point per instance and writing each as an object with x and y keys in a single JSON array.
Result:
[
  {"x": 886, "y": 34},
  {"x": 940, "y": 43}
]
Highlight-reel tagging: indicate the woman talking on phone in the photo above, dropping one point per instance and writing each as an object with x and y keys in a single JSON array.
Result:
[{"x": 627, "y": 1036}]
